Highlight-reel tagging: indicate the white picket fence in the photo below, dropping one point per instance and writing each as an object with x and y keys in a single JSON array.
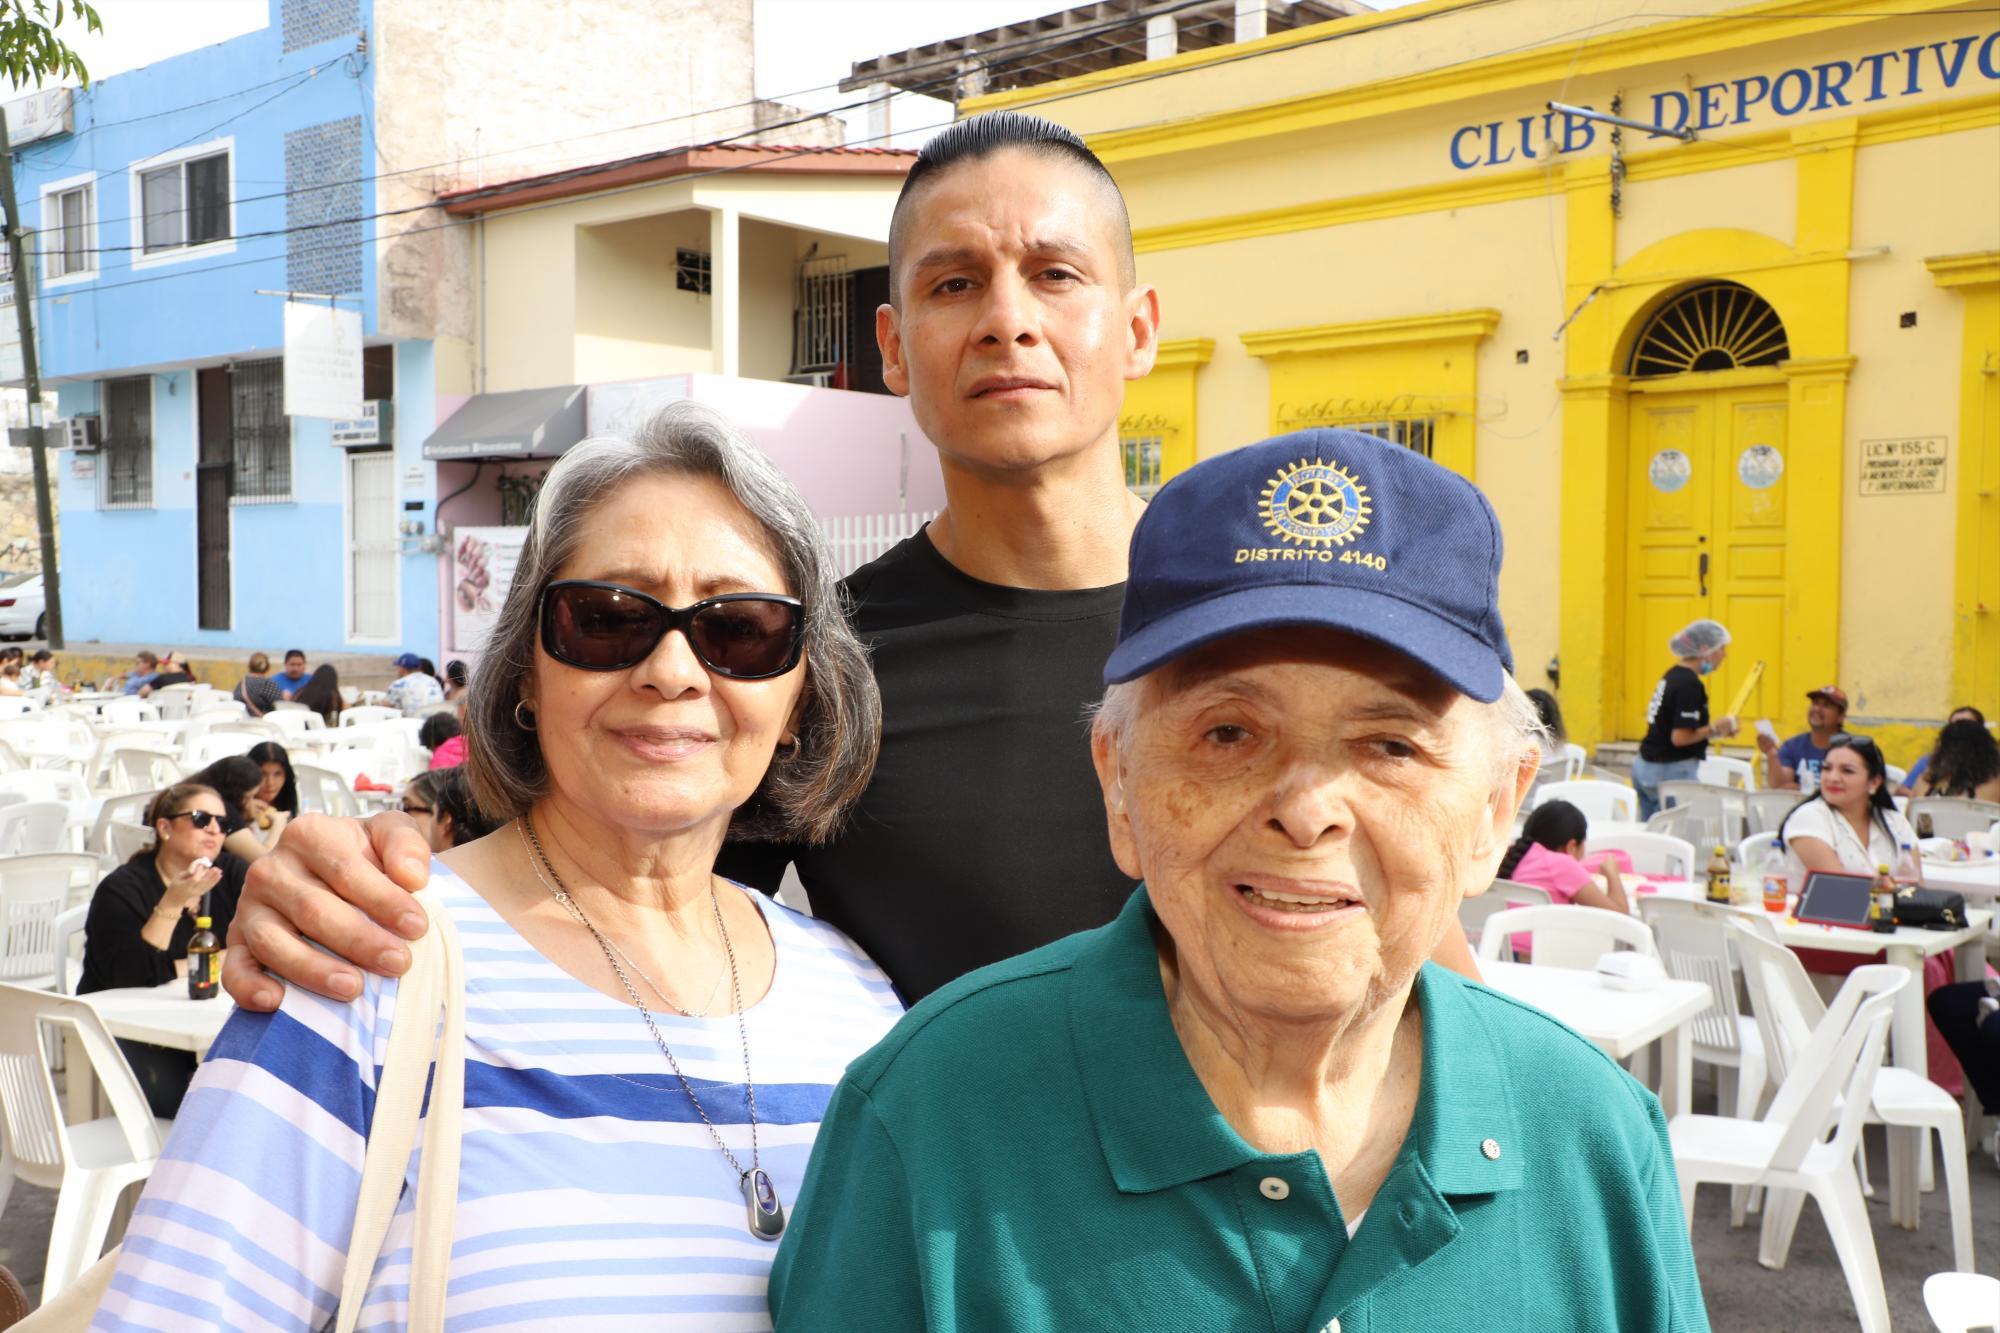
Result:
[{"x": 858, "y": 538}]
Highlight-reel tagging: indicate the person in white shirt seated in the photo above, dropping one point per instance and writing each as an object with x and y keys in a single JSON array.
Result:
[
  {"x": 413, "y": 691},
  {"x": 1851, "y": 824}
]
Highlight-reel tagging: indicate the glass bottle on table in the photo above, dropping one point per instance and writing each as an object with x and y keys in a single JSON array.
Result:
[
  {"x": 1718, "y": 877},
  {"x": 204, "y": 961},
  {"x": 1882, "y": 912},
  {"x": 1774, "y": 877}
]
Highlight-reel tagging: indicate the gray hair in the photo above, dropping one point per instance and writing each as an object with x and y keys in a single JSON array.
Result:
[
  {"x": 1517, "y": 728},
  {"x": 1700, "y": 636},
  {"x": 808, "y": 788}
]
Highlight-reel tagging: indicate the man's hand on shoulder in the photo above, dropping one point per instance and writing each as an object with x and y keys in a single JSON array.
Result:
[{"x": 307, "y": 888}]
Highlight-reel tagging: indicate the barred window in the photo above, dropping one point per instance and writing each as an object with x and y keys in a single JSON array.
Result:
[
  {"x": 262, "y": 433},
  {"x": 125, "y": 470},
  {"x": 1413, "y": 432},
  {"x": 1143, "y": 455}
]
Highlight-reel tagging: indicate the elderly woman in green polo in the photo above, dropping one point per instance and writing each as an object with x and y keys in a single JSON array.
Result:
[{"x": 1249, "y": 1102}]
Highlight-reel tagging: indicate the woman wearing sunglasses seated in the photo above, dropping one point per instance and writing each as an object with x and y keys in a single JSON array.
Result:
[
  {"x": 650, "y": 1048},
  {"x": 142, "y": 915}
]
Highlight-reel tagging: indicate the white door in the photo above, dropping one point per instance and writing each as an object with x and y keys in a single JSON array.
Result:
[{"x": 372, "y": 549}]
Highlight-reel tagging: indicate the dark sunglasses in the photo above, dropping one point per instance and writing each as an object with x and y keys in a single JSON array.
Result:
[
  {"x": 609, "y": 627},
  {"x": 198, "y": 818}
]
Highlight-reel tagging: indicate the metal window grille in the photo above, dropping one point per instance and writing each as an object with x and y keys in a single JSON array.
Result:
[
  {"x": 692, "y": 272},
  {"x": 186, "y": 203},
  {"x": 820, "y": 311},
  {"x": 1716, "y": 326},
  {"x": 125, "y": 467},
  {"x": 1143, "y": 455},
  {"x": 262, "y": 433},
  {"x": 1413, "y": 432}
]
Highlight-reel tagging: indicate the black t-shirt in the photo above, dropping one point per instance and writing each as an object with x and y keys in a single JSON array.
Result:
[
  {"x": 982, "y": 834},
  {"x": 1680, "y": 701},
  {"x": 114, "y": 954}
]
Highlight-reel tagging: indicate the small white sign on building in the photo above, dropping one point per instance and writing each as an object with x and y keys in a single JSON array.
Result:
[
  {"x": 322, "y": 361},
  {"x": 364, "y": 429}
]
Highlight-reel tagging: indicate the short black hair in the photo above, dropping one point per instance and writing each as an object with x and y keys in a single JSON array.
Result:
[
  {"x": 299, "y": 653},
  {"x": 979, "y": 137}
]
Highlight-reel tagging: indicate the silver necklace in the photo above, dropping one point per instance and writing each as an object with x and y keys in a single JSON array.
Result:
[
  {"x": 651, "y": 984},
  {"x": 765, "y": 1210}
]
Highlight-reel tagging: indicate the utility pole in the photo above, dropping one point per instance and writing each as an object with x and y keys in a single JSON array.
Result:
[{"x": 31, "y": 374}]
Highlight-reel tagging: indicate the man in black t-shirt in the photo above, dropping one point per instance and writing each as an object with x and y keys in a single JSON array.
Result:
[{"x": 1015, "y": 318}]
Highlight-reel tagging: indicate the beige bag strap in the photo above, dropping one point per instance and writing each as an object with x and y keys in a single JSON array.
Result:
[{"x": 429, "y": 1024}]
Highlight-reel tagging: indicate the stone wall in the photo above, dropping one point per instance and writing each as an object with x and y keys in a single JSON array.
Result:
[{"x": 20, "y": 539}]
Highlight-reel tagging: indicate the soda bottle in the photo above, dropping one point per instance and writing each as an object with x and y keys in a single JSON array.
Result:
[
  {"x": 1774, "y": 877},
  {"x": 1718, "y": 877},
  {"x": 1883, "y": 911},
  {"x": 204, "y": 962}
]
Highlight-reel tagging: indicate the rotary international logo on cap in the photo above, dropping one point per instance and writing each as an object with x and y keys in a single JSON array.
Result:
[{"x": 1315, "y": 504}]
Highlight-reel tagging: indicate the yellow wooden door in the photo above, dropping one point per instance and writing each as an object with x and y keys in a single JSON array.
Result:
[{"x": 1705, "y": 526}]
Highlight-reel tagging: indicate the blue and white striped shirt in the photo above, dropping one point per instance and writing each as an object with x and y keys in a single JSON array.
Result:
[{"x": 590, "y": 1194}]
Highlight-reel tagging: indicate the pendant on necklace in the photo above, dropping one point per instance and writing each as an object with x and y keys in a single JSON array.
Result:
[{"x": 760, "y": 1196}]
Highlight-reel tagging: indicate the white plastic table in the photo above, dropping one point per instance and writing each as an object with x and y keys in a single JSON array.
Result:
[
  {"x": 1979, "y": 880},
  {"x": 160, "y": 1015},
  {"x": 1619, "y": 1022}
]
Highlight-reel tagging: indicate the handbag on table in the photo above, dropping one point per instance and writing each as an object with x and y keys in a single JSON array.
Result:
[{"x": 428, "y": 1027}]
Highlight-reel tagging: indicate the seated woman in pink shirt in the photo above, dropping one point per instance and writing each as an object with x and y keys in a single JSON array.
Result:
[{"x": 1549, "y": 855}]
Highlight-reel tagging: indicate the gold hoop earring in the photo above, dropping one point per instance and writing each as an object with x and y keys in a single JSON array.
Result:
[{"x": 523, "y": 719}]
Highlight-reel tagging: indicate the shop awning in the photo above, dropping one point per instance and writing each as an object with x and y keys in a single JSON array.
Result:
[{"x": 527, "y": 423}]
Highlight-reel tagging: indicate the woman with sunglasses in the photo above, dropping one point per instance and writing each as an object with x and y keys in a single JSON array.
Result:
[
  {"x": 142, "y": 915},
  {"x": 652, "y": 1046},
  {"x": 440, "y": 800},
  {"x": 1851, "y": 824}
]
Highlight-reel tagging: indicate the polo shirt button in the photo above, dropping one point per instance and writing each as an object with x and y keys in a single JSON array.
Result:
[
  {"x": 1491, "y": 1148},
  {"x": 1274, "y": 1187}
]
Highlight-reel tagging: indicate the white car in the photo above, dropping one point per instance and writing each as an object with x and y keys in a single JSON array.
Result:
[{"x": 21, "y": 607}]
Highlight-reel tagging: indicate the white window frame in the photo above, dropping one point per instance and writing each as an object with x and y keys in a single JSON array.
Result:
[
  {"x": 51, "y": 229},
  {"x": 180, "y": 254}
]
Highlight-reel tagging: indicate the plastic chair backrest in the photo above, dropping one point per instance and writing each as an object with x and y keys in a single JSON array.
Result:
[
  {"x": 1690, "y": 825},
  {"x": 1598, "y": 800},
  {"x": 323, "y": 791},
  {"x": 1962, "y": 1302},
  {"x": 362, "y": 713},
  {"x": 1651, "y": 853},
  {"x": 257, "y": 728},
  {"x": 28, "y": 911},
  {"x": 35, "y": 1128},
  {"x": 143, "y": 770},
  {"x": 1694, "y": 943},
  {"x": 1566, "y": 936},
  {"x": 129, "y": 808},
  {"x": 68, "y": 931},
  {"x": 10, "y": 762},
  {"x": 1769, "y": 808},
  {"x": 75, "y": 873},
  {"x": 45, "y": 784},
  {"x": 121, "y": 711},
  {"x": 1726, "y": 808},
  {"x": 1783, "y": 1000},
  {"x": 1575, "y": 758},
  {"x": 1749, "y": 853},
  {"x": 17, "y": 705},
  {"x": 1955, "y": 818},
  {"x": 28, "y": 828},
  {"x": 123, "y": 841},
  {"x": 1505, "y": 893},
  {"x": 205, "y": 750},
  {"x": 1841, "y": 1060},
  {"x": 1724, "y": 772}
]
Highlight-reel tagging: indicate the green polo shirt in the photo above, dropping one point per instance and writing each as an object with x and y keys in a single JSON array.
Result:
[{"x": 1029, "y": 1149}]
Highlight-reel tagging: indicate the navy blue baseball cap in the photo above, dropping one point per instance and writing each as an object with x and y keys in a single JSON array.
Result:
[
  {"x": 408, "y": 661},
  {"x": 1327, "y": 528}
]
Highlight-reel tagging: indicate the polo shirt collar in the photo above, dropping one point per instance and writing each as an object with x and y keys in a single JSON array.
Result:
[{"x": 1158, "y": 1128}]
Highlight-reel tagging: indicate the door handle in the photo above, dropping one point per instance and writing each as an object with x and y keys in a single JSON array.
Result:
[{"x": 1702, "y": 572}]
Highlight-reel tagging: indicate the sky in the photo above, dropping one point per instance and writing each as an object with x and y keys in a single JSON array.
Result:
[{"x": 804, "y": 47}]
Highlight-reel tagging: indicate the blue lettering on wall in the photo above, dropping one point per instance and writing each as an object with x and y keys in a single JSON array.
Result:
[{"x": 1715, "y": 106}]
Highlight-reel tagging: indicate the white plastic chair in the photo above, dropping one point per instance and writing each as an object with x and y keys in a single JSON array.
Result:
[
  {"x": 1651, "y": 853},
  {"x": 10, "y": 762},
  {"x": 143, "y": 770},
  {"x": 68, "y": 932},
  {"x": 17, "y": 706},
  {"x": 1598, "y": 800},
  {"x": 97, "y": 770},
  {"x": 1783, "y": 1150},
  {"x": 323, "y": 791},
  {"x": 174, "y": 701},
  {"x": 129, "y": 808},
  {"x": 256, "y": 728},
  {"x": 1694, "y": 940},
  {"x": 119, "y": 712},
  {"x": 1575, "y": 759},
  {"x": 124, "y": 841},
  {"x": 1962, "y": 1302},
  {"x": 1473, "y": 913},
  {"x": 289, "y": 719},
  {"x": 88, "y": 1165},
  {"x": 1767, "y": 809},
  {"x": 205, "y": 750},
  {"x": 1719, "y": 771},
  {"x": 363, "y": 713},
  {"x": 74, "y": 872},
  {"x": 45, "y": 784},
  {"x": 1724, "y": 811},
  {"x": 1788, "y": 1011},
  {"x": 1954, "y": 818},
  {"x": 1896, "y": 776},
  {"x": 1748, "y": 854},
  {"x": 28, "y": 828},
  {"x": 1565, "y": 936},
  {"x": 28, "y": 909}
]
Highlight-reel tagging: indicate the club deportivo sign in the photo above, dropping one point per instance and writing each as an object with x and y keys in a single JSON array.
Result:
[{"x": 1881, "y": 76}]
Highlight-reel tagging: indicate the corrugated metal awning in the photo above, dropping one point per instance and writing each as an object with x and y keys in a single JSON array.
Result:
[{"x": 527, "y": 423}]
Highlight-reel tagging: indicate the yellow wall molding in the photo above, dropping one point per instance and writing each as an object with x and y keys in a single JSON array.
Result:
[
  {"x": 1668, "y": 42},
  {"x": 1981, "y": 268},
  {"x": 1446, "y": 327},
  {"x": 1584, "y": 173},
  {"x": 1710, "y": 379},
  {"x": 1819, "y": 370},
  {"x": 1184, "y": 352}
]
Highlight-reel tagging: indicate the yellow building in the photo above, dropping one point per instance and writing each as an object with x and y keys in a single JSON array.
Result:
[{"x": 1753, "y": 374}]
